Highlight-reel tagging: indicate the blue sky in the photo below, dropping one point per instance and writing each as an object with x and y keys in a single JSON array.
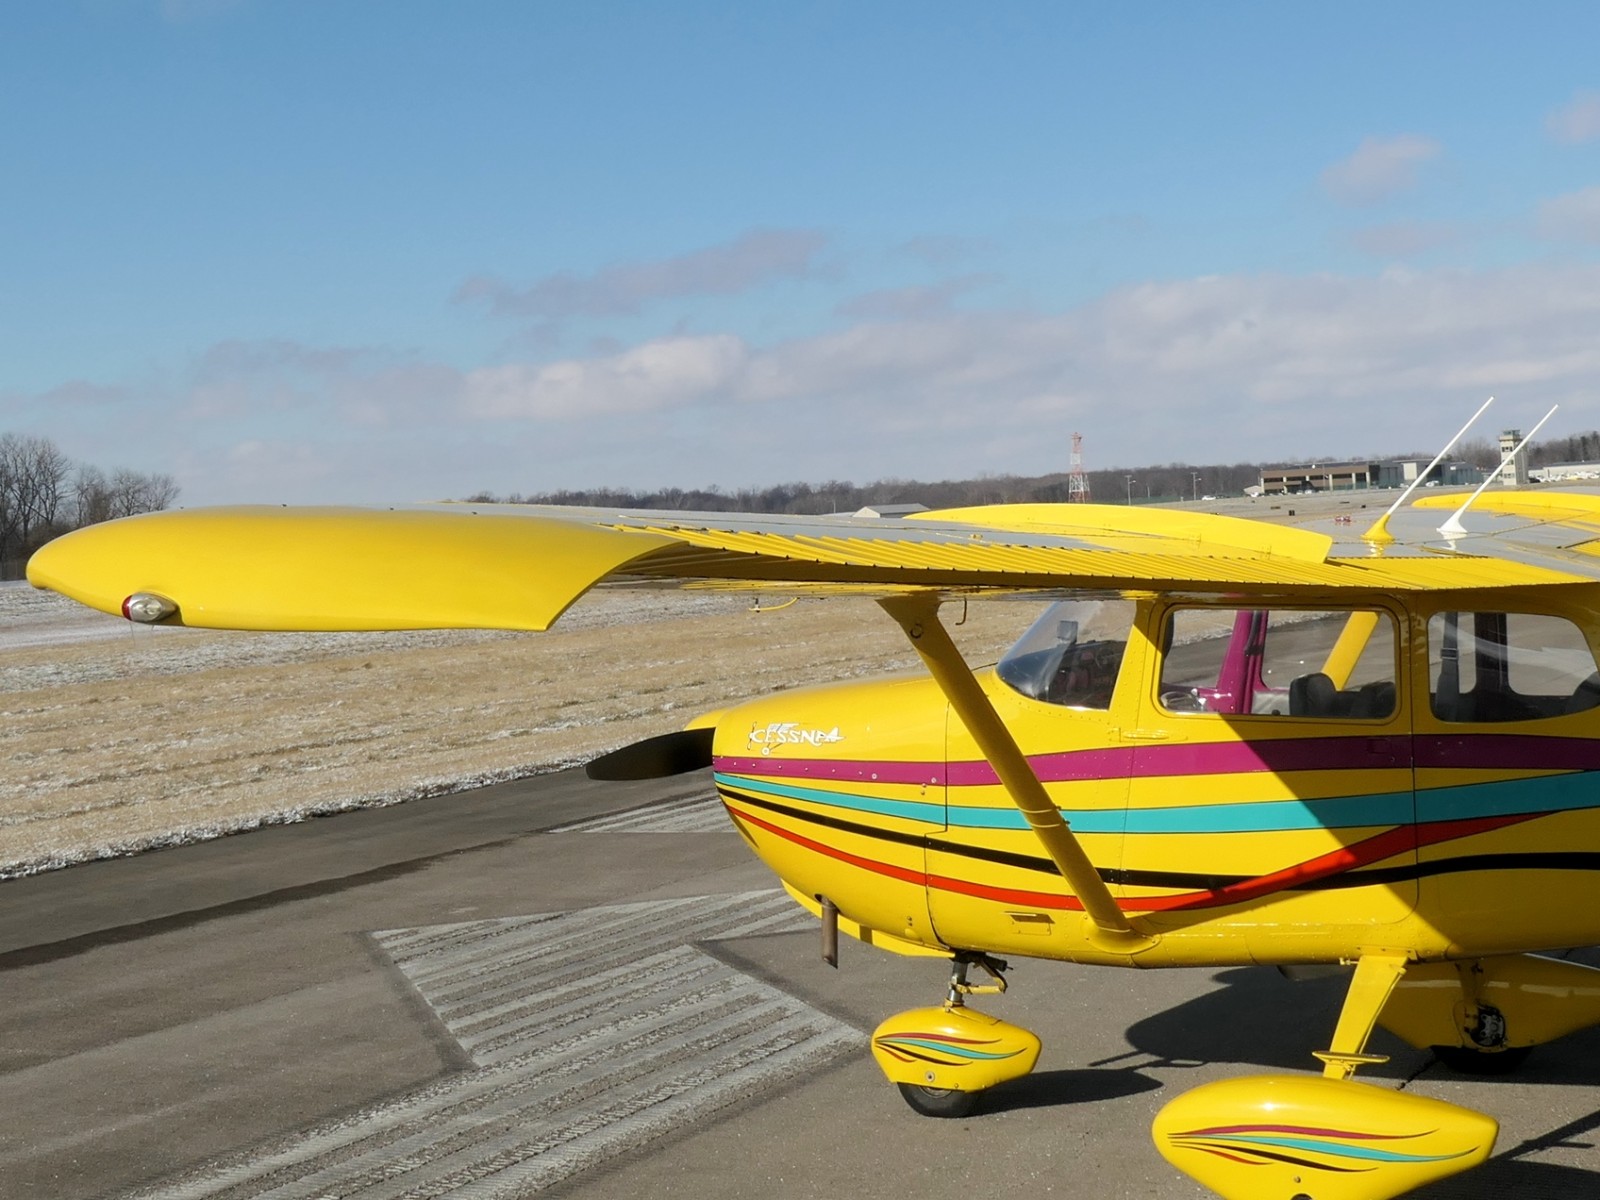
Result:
[{"x": 326, "y": 252}]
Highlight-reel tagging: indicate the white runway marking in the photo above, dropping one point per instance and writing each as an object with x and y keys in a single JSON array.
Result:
[
  {"x": 592, "y": 1032},
  {"x": 698, "y": 814}
]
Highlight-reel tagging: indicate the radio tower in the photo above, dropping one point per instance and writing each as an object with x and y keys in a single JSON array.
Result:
[{"x": 1077, "y": 482}]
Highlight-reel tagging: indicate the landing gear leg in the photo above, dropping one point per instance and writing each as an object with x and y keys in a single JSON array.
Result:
[
  {"x": 1375, "y": 977},
  {"x": 943, "y": 1059}
]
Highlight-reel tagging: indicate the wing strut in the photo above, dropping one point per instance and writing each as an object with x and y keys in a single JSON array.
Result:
[{"x": 918, "y": 615}]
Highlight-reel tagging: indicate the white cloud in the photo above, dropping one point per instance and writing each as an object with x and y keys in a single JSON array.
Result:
[
  {"x": 1205, "y": 369},
  {"x": 1379, "y": 169},
  {"x": 665, "y": 373},
  {"x": 747, "y": 262},
  {"x": 1221, "y": 368},
  {"x": 1578, "y": 120},
  {"x": 1574, "y": 217},
  {"x": 1405, "y": 239}
]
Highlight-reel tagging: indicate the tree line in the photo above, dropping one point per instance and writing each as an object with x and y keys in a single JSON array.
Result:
[
  {"x": 1121, "y": 485},
  {"x": 43, "y": 493}
]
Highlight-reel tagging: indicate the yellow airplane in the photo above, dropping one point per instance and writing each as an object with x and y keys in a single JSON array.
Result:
[{"x": 1227, "y": 742}]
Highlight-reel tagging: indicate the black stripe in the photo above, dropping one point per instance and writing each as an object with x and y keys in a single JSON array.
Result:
[
  {"x": 1275, "y": 1156},
  {"x": 1571, "y": 860}
]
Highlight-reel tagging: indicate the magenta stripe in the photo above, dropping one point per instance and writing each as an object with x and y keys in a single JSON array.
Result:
[
  {"x": 1287, "y": 754},
  {"x": 1119, "y": 762},
  {"x": 1507, "y": 751}
]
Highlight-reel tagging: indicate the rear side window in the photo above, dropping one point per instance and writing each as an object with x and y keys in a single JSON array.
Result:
[
  {"x": 1490, "y": 667},
  {"x": 1280, "y": 662}
]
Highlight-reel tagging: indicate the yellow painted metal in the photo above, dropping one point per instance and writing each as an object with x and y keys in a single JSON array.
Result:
[
  {"x": 339, "y": 568},
  {"x": 1579, "y": 509},
  {"x": 893, "y": 560},
  {"x": 1347, "y": 650},
  {"x": 1203, "y": 533},
  {"x": 707, "y": 720},
  {"x": 1281, "y": 1136},
  {"x": 865, "y": 934},
  {"x": 518, "y": 567},
  {"x": 919, "y": 617},
  {"x": 1374, "y": 979},
  {"x": 1540, "y": 999},
  {"x": 954, "y": 1047}
]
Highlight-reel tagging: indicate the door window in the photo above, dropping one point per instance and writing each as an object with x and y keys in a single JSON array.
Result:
[{"x": 1280, "y": 662}]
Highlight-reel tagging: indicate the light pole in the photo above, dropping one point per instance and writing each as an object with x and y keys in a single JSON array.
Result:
[
  {"x": 1131, "y": 482},
  {"x": 1196, "y": 475}
]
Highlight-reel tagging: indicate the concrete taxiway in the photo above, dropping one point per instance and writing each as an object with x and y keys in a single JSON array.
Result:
[{"x": 569, "y": 989}]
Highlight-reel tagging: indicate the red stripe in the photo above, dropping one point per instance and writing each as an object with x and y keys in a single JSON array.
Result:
[
  {"x": 1375, "y": 849},
  {"x": 1217, "y": 1130},
  {"x": 903, "y": 874}
]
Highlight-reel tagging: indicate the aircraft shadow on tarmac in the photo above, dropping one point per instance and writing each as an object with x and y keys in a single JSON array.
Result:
[
  {"x": 1288, "y": 1019},
  {"x": 1055, "y": 1089},
  {"x": 1259, "y": 1018}
]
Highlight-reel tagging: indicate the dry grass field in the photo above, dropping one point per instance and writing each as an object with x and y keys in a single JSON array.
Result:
[{"x": 116, "y": 738}]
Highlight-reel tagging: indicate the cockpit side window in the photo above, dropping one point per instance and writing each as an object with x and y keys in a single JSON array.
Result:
[
  {"x": 1071, "y": 655},
  {"x": 1491, "y": 667},
  {"x": 1279, "y": 662}
]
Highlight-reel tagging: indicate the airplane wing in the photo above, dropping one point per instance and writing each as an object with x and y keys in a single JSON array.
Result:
[{"x": 521, "y": 566}]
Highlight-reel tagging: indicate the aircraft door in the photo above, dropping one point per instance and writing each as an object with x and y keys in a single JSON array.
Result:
[
  {"x": 1271, "y": 772},
  {"x": 991, "y": 884},
  {"x": 1504, "y": 774}
]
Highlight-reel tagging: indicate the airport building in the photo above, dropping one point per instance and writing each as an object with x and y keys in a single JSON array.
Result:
[
  {"x": 1317, "y": 477},
  {"x": 1358, "y": 476},
  {"x": 1565, "y": 472}
]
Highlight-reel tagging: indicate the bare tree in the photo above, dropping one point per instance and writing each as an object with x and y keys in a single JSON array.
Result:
[
  {"x": 133, "y": 492},
  {"x": 33, "y": 476},
  {"x": 42, "y": 494}
]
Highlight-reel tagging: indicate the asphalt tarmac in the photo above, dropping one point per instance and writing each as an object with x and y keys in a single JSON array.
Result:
[{"x": 570, "y": 989}]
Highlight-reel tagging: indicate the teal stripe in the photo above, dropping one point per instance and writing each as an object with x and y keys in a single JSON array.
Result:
[
  {"x": 1556, "y": 793},
  {"x": 1274, "y": 816},
  {"x": 1513, "y": 797},
  {"x": 911, "y": 810},
  {"x": 947, "y": 1048},
  {"x": 1336, "y": 1149}
]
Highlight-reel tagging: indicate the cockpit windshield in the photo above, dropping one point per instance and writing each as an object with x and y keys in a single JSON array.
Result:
[{"x": 1070, "y": 656}]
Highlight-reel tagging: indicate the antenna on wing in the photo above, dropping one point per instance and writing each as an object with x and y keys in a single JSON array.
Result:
[
  {"x": 1379, "y": 533},
  {"x": 1453, "y": 527}
]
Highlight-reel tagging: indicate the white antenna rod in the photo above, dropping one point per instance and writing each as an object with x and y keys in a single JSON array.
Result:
[
  {"x": 1453, "y": 527},
  {"x": 1378, "y": 533}
]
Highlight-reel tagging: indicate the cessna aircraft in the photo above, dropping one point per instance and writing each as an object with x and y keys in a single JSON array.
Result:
[{"x": 1230, "y": 742}]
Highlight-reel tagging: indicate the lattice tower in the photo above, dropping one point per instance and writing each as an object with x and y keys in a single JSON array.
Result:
[{"x": 1077, "y": 482}]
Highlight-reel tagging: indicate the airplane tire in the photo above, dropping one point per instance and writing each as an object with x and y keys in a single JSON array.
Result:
[
  {"x": 1466, "y": 1060},
  {"x": 939, "y": 1102}
]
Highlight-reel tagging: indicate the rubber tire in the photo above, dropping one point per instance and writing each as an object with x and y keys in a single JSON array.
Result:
[
  {"x": 939, "y": 1102},
  {"x": 1464, "y": 1060}
]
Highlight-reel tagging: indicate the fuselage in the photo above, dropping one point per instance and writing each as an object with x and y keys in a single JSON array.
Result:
[{"x": 1255, "y": 781}]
